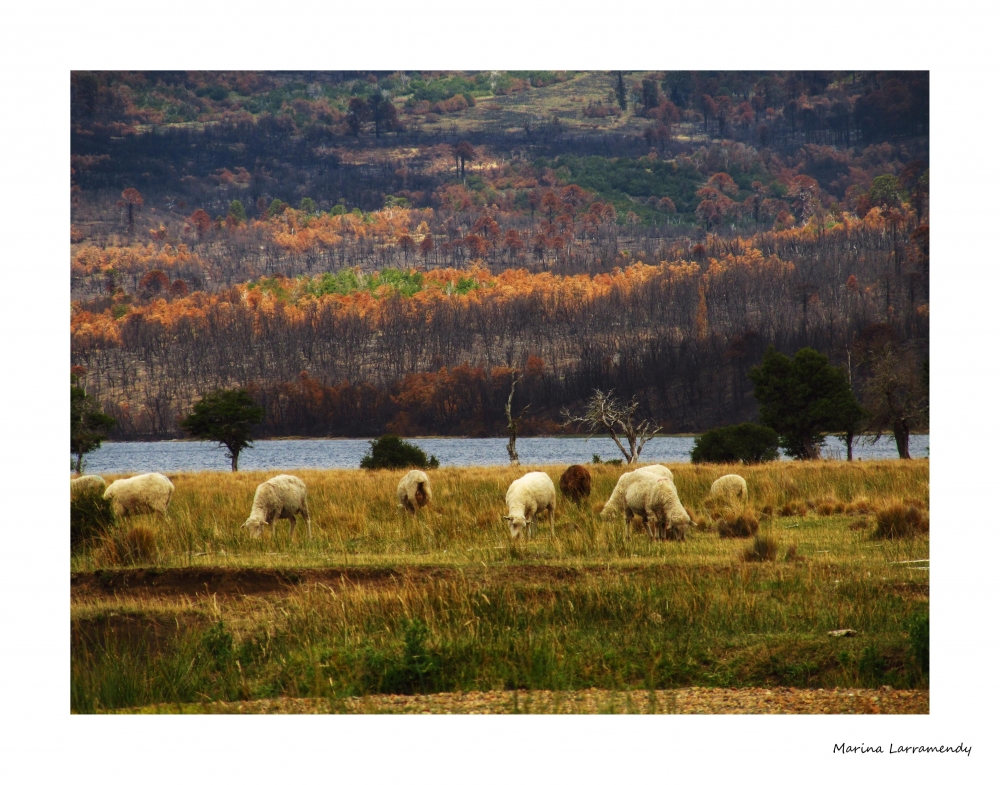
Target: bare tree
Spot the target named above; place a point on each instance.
(513, 422)
(607, 413)
(895, 396)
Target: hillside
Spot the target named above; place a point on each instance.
(381, 250)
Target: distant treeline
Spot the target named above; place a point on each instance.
(432, 353)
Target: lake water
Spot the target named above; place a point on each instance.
(179, 456)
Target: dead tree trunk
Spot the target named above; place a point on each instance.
(513, 422)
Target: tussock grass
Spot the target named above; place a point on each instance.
(763, 548)
(738, 523)
(594, 606)
(900, 519)
(128, 545)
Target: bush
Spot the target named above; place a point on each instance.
(742, 523)
(900, 520)
(391, 452)
(90, 517)
(748, 443)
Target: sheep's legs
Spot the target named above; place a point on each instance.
(645, 520)
(305, 513)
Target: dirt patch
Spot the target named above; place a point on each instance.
(193, 581)
(225, 581)
(694, 700)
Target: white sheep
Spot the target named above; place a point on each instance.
(616, 502)
(527, 496)
(283, 496)
(89, 483)
(143, 493)
(730, 486)
(414, 491)
(655, 498)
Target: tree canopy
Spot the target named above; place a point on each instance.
(391, 452)
(225, 416)
(89, 426)
(803, 398)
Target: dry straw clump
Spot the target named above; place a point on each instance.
(899, 519)
(738, 523)
(791, 508)
(763, 548)
(126, 547)
(860, 506)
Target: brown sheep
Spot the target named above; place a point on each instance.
(575, 483)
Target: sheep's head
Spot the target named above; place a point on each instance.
(517, 524)
(677, 522)
(254, 526)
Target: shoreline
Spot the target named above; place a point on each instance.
(455, 438)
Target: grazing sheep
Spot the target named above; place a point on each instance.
(89, 483)
(283, 496)
(143, 493)
(655, 498)
(414, 491)
(527, 496)
(616, 502)
(575, 483)
(731, 486)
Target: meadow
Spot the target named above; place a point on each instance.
(183, 612)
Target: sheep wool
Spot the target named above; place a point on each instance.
(616, 502)
(731, 485)
(281, 497)
(575, 483)
(526, 497)
(414, 491)
(89, 483)
(655, 499)
(144, 493)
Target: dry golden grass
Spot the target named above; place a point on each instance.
(900, 519)
(356, 519)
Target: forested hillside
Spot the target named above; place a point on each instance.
(372, 251)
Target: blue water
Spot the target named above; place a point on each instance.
(177, 456)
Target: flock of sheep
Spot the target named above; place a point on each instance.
(647, 493)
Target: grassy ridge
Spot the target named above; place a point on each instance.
(591, 607)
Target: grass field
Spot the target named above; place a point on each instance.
(379, 602)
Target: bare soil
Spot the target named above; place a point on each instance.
(245, 581)
(694, 700)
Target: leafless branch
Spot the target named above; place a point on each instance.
(607, 414)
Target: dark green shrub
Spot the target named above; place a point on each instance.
(748, 442)
(919, 630)
(391, 452)
(217, 643)
(90, 518)
(418, 669)
(872, 666)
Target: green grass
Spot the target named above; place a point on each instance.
(466, 610)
